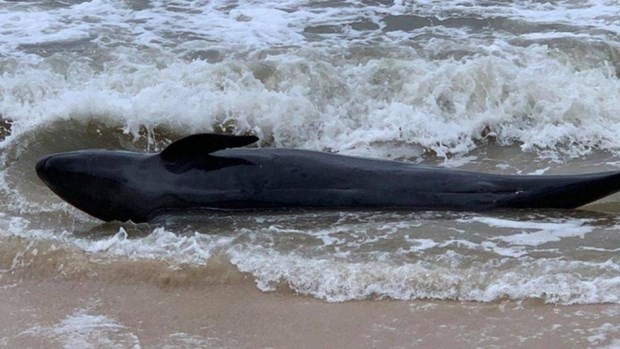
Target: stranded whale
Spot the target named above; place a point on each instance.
(212, 171)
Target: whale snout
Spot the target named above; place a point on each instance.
(42, 169)
(60, 170)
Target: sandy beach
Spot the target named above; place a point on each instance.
(129, 312)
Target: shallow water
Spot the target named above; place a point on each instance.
(525, 87)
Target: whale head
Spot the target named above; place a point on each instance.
(122, 185)
(94, 181)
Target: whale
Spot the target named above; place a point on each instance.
(219, 172)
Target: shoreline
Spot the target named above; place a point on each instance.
(56, 313)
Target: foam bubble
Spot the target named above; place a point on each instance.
(544, 232)
(85, 330)
(160, 244)
(336, 280)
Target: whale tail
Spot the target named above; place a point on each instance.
(563, 191)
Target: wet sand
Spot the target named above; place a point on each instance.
(94, 312)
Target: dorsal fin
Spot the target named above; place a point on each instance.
(202, 144)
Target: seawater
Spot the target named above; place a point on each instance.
(522, 87)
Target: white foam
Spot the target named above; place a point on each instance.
(302, 97)
(160, 244)
(418, 245)
(600, 336)
(578, 115)
(349, 265)
(614, 344)
(598, 14)
(544, 231)
(181, 340)
(84, 330)
(540, 171)
(217, 24)
(336, 281)
(30, 25)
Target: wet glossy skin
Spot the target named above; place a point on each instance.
(118, 185)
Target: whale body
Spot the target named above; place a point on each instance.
(214, 171)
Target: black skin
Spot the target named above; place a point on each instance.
(202, 172)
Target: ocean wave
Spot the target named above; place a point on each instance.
(446, 107)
